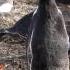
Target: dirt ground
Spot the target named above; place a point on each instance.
(13, 51)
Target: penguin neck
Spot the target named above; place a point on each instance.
(47, 3)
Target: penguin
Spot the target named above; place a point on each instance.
(49, 41)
